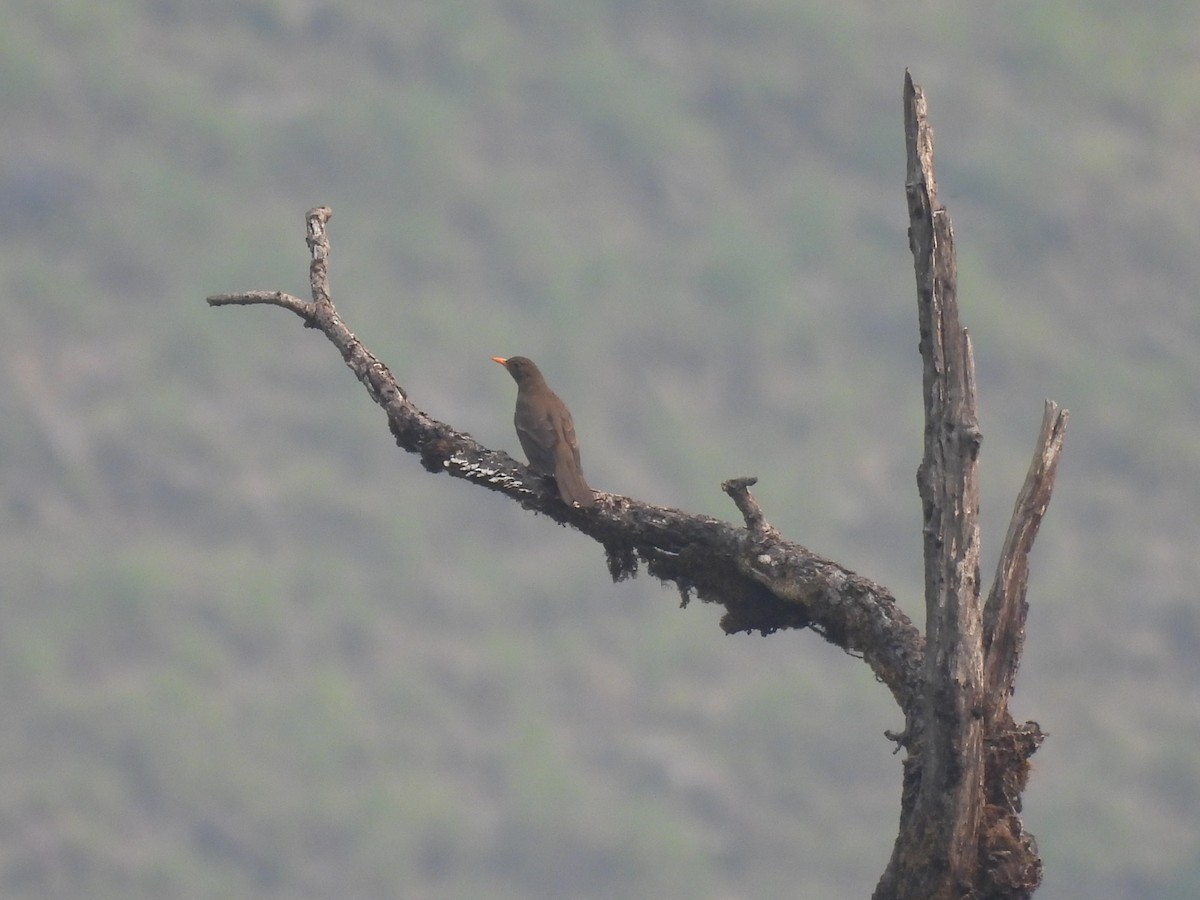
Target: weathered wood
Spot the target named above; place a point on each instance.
(936, 853)
(1009, 857)
(1006, 607)
(967, 761)
(960, 832)
(764, 582)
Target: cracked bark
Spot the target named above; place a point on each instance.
(960, 829)
(967, 761)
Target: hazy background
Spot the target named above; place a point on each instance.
(250, 649)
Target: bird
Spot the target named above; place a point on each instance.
(546, 432)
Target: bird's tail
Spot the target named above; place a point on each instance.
(571, 485)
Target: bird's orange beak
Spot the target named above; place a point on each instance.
(499, 359)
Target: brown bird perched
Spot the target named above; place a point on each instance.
(546, 432)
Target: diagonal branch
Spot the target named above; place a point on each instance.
(764, 582)
(1006, 607)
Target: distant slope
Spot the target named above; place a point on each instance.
(252, 650)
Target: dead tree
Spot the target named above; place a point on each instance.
(966, 759)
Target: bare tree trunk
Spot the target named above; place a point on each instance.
(960, 835)
(967, 761)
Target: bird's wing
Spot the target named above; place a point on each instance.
(567, 436)
(538, 438)
(568, 471)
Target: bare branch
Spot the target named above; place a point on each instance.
(764, 583)
(738, 490)
(967, 763)
(302, 308)
(1006, 607)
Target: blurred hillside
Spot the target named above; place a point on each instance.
(250, 649)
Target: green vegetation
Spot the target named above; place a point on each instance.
(249, 649)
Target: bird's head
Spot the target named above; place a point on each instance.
(521, 368)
